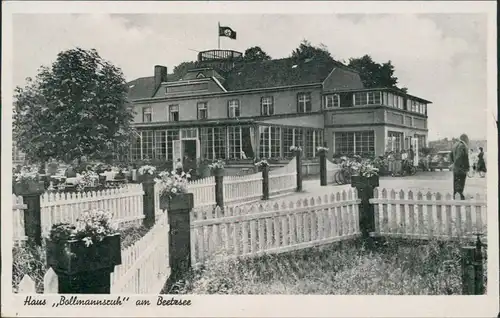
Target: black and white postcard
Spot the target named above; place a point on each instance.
(249, 159)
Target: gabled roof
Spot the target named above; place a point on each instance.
(257, 75)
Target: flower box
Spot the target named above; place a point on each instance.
(218, 172)
(361, 181)
(182, 201)
(73, 256)
(29, 187)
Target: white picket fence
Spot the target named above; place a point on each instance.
(253, 230)
(424, 216)
(203, 192)
(331, 170)
(144, 269)
(283, 180)
(18, 208)
(125, 203)
(145, 265)
(238, 189)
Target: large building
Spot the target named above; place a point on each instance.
(232, 109)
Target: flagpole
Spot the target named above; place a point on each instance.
(218, 35)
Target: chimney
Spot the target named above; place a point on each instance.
(160, 75)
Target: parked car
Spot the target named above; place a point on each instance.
(440, 161)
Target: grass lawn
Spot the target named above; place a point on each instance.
(391, 269)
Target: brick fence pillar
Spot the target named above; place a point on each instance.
(219, 187)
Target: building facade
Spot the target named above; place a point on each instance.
(231, 109)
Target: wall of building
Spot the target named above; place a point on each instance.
(285, 102)
(313, 121)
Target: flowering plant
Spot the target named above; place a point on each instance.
(364, 169)
(295, 148)
(219, 164)
(87, 179)
(27, 174)
(322, 149)
(262, 163)
(172, 184)
(147, 170)
(92, 226)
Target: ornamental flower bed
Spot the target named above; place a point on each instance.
(174, 191)
(91, 244)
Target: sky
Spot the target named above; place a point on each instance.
(439, 57)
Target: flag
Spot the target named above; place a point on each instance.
(227, 31)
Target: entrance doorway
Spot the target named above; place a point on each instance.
(189, 147)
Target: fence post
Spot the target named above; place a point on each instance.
(219, 187)
(298, 159)
(265, 182)
(365, 187)
(468, 272)
(32, 214)
(479, 266)
(148, 202)
(322, 168)
(179, 253)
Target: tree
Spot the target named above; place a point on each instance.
(307, 51)
(181, 69)
(77, 107)
(374, 75)
(256, 53)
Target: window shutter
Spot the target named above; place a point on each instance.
(271, 106)
(237, 111)
(228, 111)
(298, 105)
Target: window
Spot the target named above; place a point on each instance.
(425, 110)
(395, 141)
(173, 111)
(421, 141)
(172, 134)
(147, 145)
(287, 142)
(135, 147)
(275, 140)
(332, 101)
(160, 151)
(202, 110)
(359, 142)
(147, 115)
(304, 103)
(234, 135)
(264, 142)
(309, 145)
(367, 98)
(267, 106)
(233, 108)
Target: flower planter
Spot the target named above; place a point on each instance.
(146, 177)
(182, 201)
(218, 172)
(72, 256)
(30, 187)
(361, 181)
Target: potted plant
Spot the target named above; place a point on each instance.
(87, 180)
(147, 173)
(89, 245)
(364, 175)
(173, 191)
(295, 149)
(261, 164)
(217, 168)
(28, 181)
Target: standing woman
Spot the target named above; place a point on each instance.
(481, 165)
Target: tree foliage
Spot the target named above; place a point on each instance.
(77, 107)
(181, 69)
(307, 51)
(373, 74)
(256, 53)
